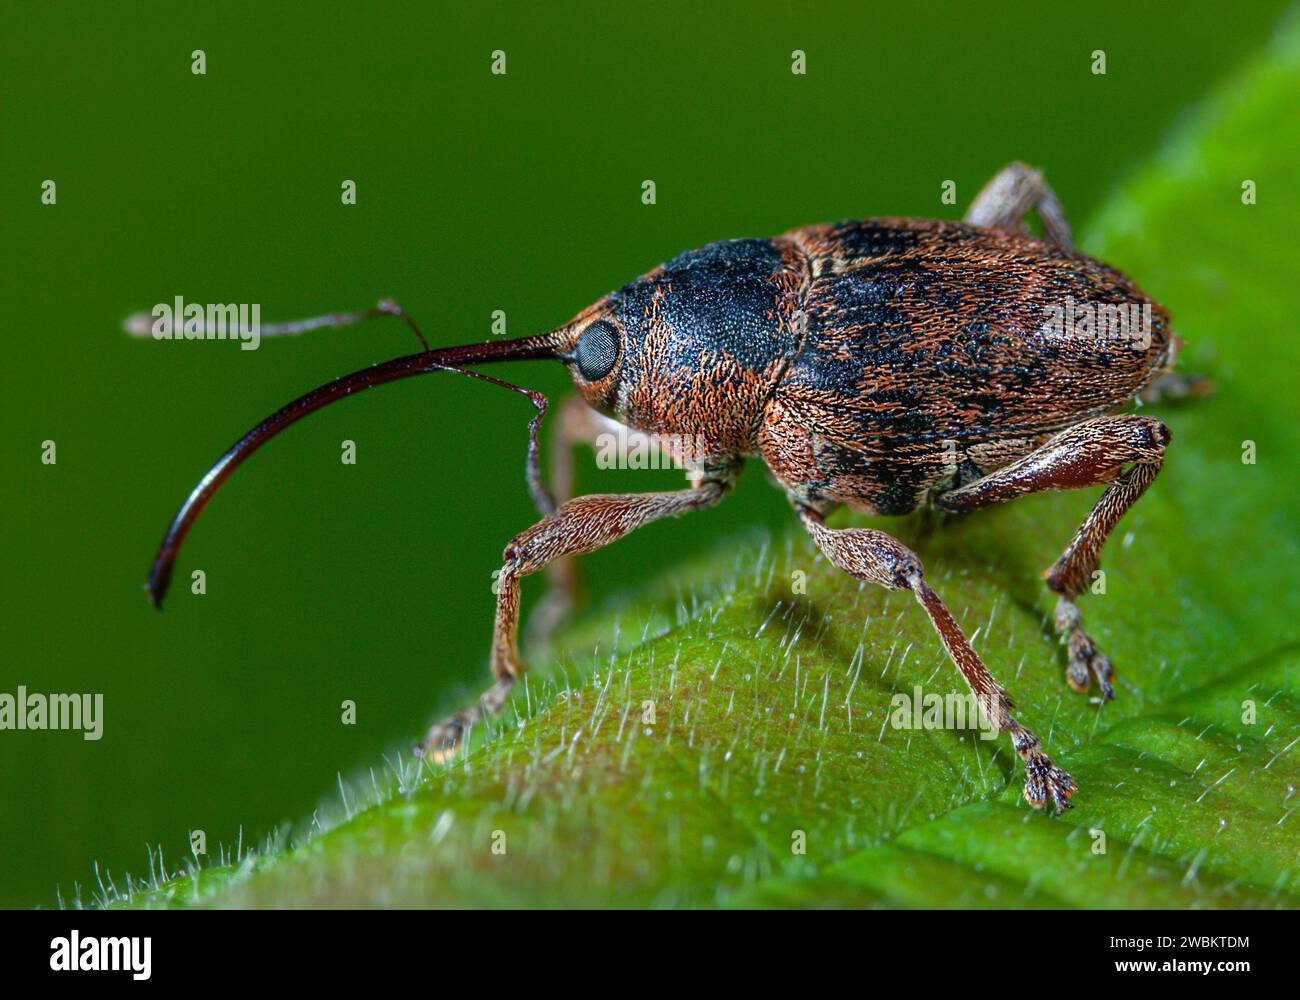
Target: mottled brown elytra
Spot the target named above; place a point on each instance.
(879, 365)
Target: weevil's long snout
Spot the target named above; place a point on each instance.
(453, 359)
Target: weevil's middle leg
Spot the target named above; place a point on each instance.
(882, 559)
(1122, 452)
(578, 526)
(1013, 192)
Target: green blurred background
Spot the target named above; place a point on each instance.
(475, 193)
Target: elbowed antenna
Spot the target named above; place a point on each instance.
(449, 359)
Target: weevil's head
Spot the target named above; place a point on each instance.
(692, 349)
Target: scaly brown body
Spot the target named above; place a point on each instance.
(926, 365)
(879, 364)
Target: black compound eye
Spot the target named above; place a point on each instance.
(597, 349)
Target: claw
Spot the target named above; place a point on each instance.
(1086, 661)
(1077, 675)
(1045, 782)
(1100, 666)
(447, 736)
(442, 742)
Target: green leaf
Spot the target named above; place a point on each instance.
(770, 707)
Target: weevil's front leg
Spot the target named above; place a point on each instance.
(1014, 190)
(577, 424)
(882, 559)
(1122, 452)
(578, 526)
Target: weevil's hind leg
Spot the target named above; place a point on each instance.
(1123, 453)
(1013, 192)
(578, 526)
(882, 559)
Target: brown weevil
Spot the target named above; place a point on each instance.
(880, 365)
